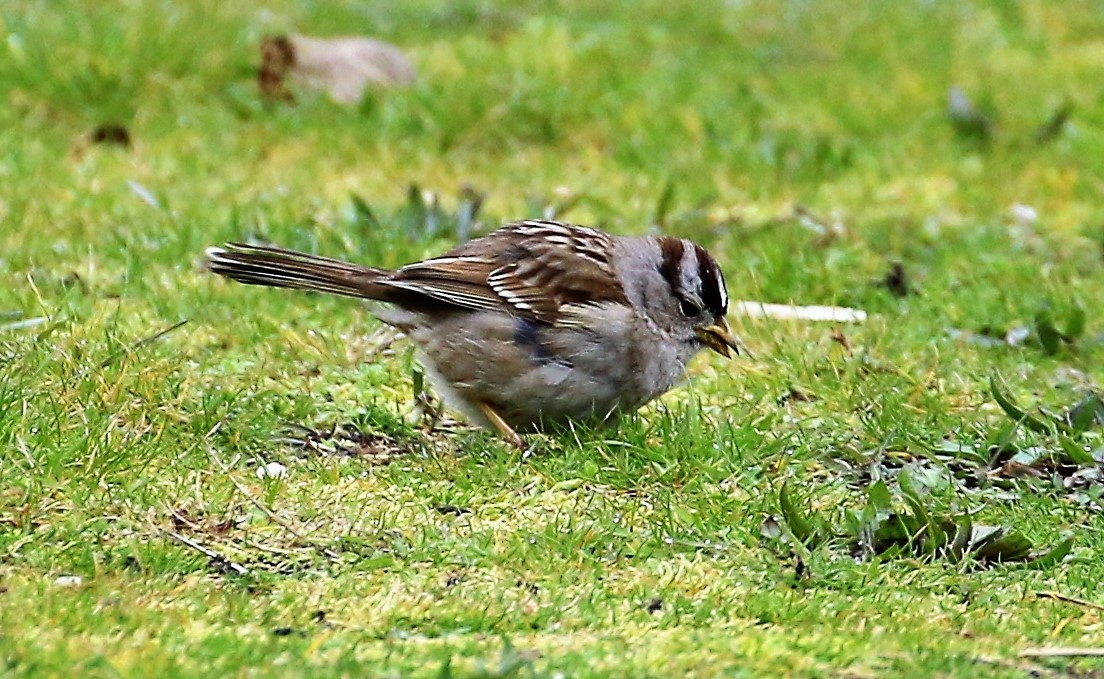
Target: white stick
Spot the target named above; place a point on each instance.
(790, 312)
(1062, 652)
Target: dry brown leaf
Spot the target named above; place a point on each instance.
(342, 67)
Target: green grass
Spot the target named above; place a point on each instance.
(637, 551)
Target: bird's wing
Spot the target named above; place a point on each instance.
(536, 269)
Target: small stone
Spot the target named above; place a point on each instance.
(272, 470)
(1024, 215)
(1017, 336)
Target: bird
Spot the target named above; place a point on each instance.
(535, 325)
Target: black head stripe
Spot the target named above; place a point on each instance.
(713, 293)
(672, 250)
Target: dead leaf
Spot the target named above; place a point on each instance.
(796, 395)
(111, 134)
(896, 281)
(277, 58)
(968, 121)
(1054, 125)
(342, 67)
(837, 336)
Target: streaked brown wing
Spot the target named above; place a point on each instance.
(537, 269)
(461, 281)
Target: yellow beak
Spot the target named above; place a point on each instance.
(718, 337)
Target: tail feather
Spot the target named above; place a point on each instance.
(277, 267)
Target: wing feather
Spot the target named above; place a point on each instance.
(543, 270)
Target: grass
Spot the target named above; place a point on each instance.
(640, 551)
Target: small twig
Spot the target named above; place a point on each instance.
(213, 430)
(269, 549)
(267, 511)
(1058, 596)
(827, 231)
(141, 343)
(1031, 669)
(223, 563)
(144, 194)
(1062, 652)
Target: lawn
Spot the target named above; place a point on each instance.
(199, 478)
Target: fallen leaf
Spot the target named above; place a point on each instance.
(967, 120)
(896, 281)
(345, 68)
(111, 134)
(1054, 125)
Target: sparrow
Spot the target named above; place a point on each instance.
(537, 324)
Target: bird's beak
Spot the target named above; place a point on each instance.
(718, 337)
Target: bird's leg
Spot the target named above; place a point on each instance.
(500, 424)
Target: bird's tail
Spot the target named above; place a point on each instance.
(277, 267)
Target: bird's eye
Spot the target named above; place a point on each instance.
(689, 308)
